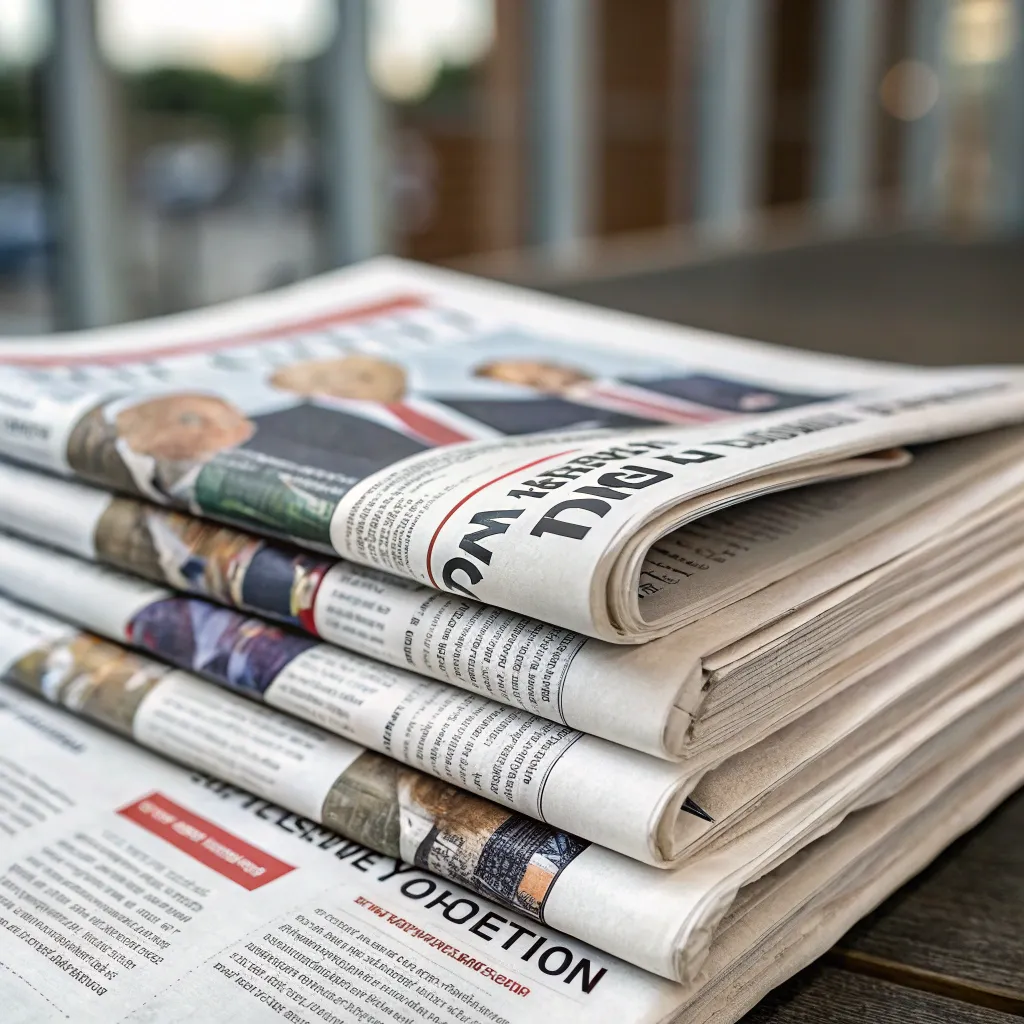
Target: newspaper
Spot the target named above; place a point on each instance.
(539, 768)
(660, 920)
(336, 689)
(375, 705)
(132, 887)
(144, 915)
(386, 414)
(650, 698)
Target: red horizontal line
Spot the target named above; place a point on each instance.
(282, 330)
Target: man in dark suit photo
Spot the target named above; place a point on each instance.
(681, 399)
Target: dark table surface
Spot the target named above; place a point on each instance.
(949, 946)
(908, 298)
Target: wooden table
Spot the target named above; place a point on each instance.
(948, 947)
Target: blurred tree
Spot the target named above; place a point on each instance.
(234, 105)
(15, 105)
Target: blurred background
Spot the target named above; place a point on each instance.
(772, 167)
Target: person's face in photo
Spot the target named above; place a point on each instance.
(183, 427)
(358, 377)
(758, 401)
(548, 378)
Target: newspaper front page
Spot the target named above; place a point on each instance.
(644, 697)
(132, 888)
(385, 414)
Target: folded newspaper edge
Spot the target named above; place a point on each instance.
(790, 928)
(242, 413)
(752, 785)
(905, 617)
(190, 847)
(797, 546)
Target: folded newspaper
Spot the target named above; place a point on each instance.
(697, 693)
(524, 762)
(387, 413)
(654, 812)
(583, 890)
(138, 891)
(526, 614)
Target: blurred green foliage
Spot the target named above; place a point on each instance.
(16, 104)
(234, 106)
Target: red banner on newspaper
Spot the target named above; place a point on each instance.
(228, 855)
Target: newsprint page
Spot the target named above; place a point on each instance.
(134, 890)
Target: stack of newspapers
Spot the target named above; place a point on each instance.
(508, 659)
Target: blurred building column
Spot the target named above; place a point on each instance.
(501, 196)
(560, 46)
(732, 54)
(355, 179)
(924, 165)
(851, 44)
(83, 168)
(1007, 207)
(681, 113)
